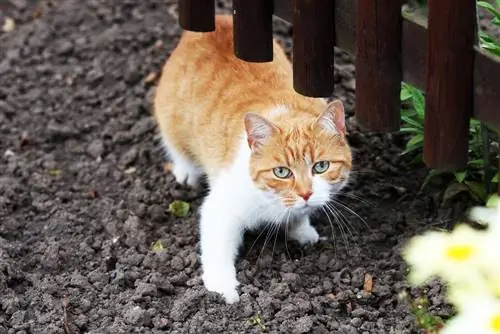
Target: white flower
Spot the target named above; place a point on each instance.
(489, 215)
(452, 256)
(480, 316)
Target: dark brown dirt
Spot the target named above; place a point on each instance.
(83, 195)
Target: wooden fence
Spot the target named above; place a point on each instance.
(438, 56)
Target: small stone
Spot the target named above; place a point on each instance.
(129, 157)
(292, 279)
(9, 153)
(61, 131)
(303, 325)
(64, 48)
(160, 323)
(137, 316)
(96, 148)
(146, 289)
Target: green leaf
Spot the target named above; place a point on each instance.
(453, 190)
(460, 176)
(157, 246)
(477, 189)
(416, 141)
(492, 201)
(495, 178)
(179, 208)
(54, 172)
(489, 7)
(405, 93)
(418, 102)
(476, 164)
(432, 174)
(412, 122)
(410, 130)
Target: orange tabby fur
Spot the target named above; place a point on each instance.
(204, 93)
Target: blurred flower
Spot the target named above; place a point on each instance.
(452, 256)
(479, 316)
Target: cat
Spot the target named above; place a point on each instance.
(269, 154)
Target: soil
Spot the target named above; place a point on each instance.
(84, 194)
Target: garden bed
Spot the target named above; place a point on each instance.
(84, 194)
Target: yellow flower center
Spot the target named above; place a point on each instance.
(459, 252)
(495, 323)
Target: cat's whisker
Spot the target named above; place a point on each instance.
(331, 225)
(346, 223)
(287, 225)
(343, 205)
(262, 214)
(353, 196)
(340, 223)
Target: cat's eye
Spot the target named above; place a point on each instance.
(321, 167)
(282, 172)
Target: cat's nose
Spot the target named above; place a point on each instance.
(306, 195)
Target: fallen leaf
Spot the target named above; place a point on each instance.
(330, 296)
(179, 208)
(130, 170)
(24, 140)
(150, 78)
(158, 44)
(8, 25)
(92, 193)
(368, 284)
(168, 167)
(157, 246)
(54, 172)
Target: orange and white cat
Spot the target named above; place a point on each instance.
(270, 154)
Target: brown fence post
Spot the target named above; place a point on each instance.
(197, 15)
(313, 47)
(253, 30)
(449, 84)
(378, 64)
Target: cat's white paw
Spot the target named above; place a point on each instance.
(305, 234)
(185, 175)
(223, 284)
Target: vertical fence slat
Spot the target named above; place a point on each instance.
(313, 47)
(378, 64)
(253, 30)
(449, 84)
(197, 15)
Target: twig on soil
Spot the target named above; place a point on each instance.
(65, 303)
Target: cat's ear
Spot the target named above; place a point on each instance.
(333, 118)
(258, 129)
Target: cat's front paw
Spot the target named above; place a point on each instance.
(225, 285)
(305, 234)
(185, 175)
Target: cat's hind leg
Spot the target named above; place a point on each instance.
(184, 170)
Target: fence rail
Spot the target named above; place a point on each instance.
(437, 56)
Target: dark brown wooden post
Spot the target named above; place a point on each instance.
(378, 64)
(313, 47)
(197, 15)
(253, 30)
(449, 84)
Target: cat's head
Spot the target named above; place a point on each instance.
(299, 162)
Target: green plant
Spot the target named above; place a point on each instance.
(419, 307)
(475, 177)
(486, 41)
(256, 320)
